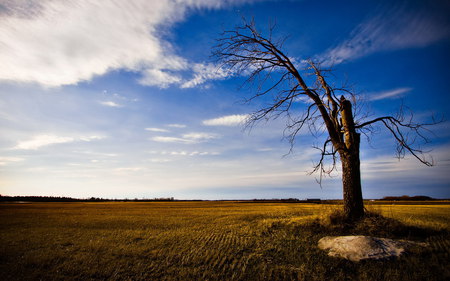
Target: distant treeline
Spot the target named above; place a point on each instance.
(288, 200)
(70, 199)
(168, 199)
(408, 198)
(164, 199)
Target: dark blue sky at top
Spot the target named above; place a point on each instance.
(312, 27)
(110, 135)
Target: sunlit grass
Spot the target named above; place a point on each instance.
(430, 216)
(200, 241)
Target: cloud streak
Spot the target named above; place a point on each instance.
(56, 43)
(7, 160)
(159, 130)
(183, 153)
(189, 138)
(46, 140)
(205, 72)
(229, 120)
(110, 104)
(390, 94)
(389, 30)
(178, 126)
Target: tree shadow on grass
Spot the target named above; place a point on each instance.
(372, 224)
(290, 247)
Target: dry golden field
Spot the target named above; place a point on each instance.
(208, 241)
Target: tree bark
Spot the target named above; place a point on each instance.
(351, 184)
(351, 173)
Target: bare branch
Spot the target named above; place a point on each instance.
(245, 51)
(406, 133)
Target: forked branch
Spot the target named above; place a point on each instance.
(408, 135)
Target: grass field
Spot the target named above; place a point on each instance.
(208, 241)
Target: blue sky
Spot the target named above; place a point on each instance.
(121, 99)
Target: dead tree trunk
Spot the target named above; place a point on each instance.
(351, 184)
(351, 173)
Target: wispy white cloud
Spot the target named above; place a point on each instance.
(130, 169)
(389, 30)
(159, 160)
(42, 140)
(170, 139)
(390, 94)
(87, 40)
(90, 138)
(200, 74)
(160, 78)
(57, 43)
(159, 130)
(264, 149)
(45, 140)
(205, 72)
(202, 153)
(110, 104)
(184, 153)
(7, 160)
(117, 97)
(177, 126)
(302, 99)
(200, 136)
(189, 138)
(229, 120)
(95, 153)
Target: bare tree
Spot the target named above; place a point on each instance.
(247, 52)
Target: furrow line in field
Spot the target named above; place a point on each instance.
(209, 254)
(232, 271)
(217, 260)
(218, 240)
(210, 239)
(235, 239)
(195, 253)
(212, 258)
(227, 241)
(200, 247)
(232, 268)
(224, 263)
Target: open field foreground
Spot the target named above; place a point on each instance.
(208, 241)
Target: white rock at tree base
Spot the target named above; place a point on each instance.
(356, 248)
